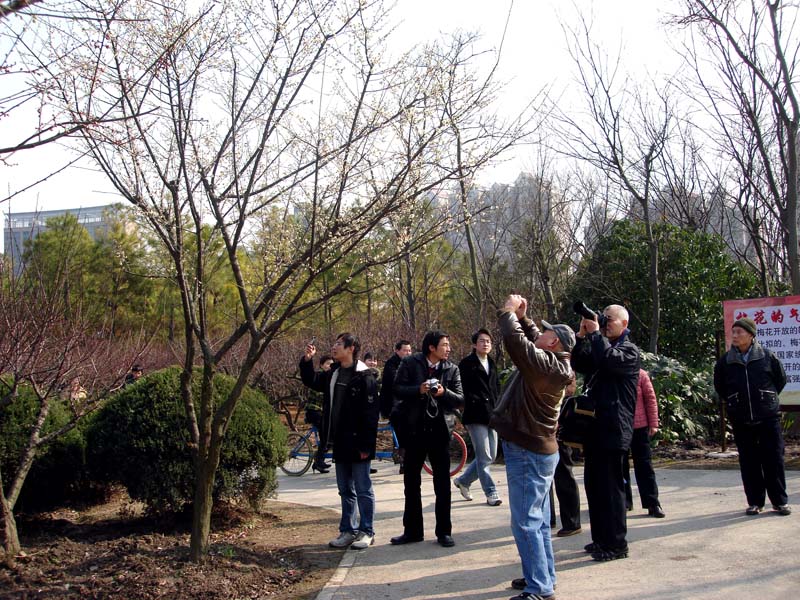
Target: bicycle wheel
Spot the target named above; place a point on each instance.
(458, 455)
(299, 455)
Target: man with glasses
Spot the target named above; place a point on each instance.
(481, 390)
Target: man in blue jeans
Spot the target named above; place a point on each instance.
(350, 412)
(526, 418)
(481, 389)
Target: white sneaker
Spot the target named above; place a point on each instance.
(343, 541)
(493, 499)
(464, 489)
(363, 540)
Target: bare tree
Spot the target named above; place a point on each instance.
(752, 97)
(226, 127)
(623, 135)
(44, 352)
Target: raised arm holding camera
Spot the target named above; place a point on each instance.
(609, 362)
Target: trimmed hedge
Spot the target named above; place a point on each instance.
(57, 474)
(140, 439)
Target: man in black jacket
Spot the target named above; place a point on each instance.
(748, 378)
(351, 414)
(427, 391)
(609, 362)
(481, 390)
(401, 349)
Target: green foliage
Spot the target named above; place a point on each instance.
(58, 470)
(140, 439)
(687, 406)
(696, 275)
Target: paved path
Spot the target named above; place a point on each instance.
(706, 548)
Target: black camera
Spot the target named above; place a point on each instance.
(587, 313)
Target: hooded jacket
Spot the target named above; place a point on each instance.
(750, 390)
(527, 413)
(611, 372)
(356, 424)
(412, 410)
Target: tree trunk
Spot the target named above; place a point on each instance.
(203, 503)
(410, 301)
(11, 543)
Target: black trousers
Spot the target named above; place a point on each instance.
(436, 446)
(569, 499)
(643, 468)
(605, 493)
(761, 461)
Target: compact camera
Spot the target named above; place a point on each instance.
(587, 313)
(433, 385)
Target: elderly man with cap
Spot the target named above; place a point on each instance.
(526, 418)
(748, 378)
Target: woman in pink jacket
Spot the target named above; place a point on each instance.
(645, 425)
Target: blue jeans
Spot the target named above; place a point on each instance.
(529, 478)
(484, 442)
(355, 489)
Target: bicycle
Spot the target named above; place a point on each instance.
(301, 451)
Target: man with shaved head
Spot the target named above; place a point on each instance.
(609, 362)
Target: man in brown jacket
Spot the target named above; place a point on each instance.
(526, 418)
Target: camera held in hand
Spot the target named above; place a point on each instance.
(433, 385)
(587, 313)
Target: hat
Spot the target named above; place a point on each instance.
(747, 324)
(564, 334)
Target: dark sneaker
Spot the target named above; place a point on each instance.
(753, 509)
(783, 509)
(529, 596)
(568, 532)
(343, 541)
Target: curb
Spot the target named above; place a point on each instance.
(337, 579)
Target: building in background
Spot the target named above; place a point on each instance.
(23, 226)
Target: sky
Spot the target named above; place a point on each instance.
(534, 55)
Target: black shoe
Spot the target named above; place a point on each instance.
(402, 470)
(592, 547)
(518, 583)
(320, 468)
(568, 532)
(372, 471)
(405, 539)
(529, 596)
(656, 511)
(606, 555)
(446, 540)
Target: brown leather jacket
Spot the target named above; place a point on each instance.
(527, 413)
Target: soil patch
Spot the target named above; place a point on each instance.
(694, 454)
(111, 551)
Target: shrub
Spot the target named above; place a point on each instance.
(58, 469)
(140, 439)
(687, 405)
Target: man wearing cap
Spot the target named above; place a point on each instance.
(609, 362)
(526, 419)
(748, 378)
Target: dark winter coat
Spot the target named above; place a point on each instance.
(611, 371)
(481, 389)
(387, 385)
(413, 411)
(750, 391)
(527, 413)
(357, 424)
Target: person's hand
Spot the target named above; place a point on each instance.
(439, 391)
(363, 455)
(589, 326)
(310, 351)
(652, 431)
(516, 304)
